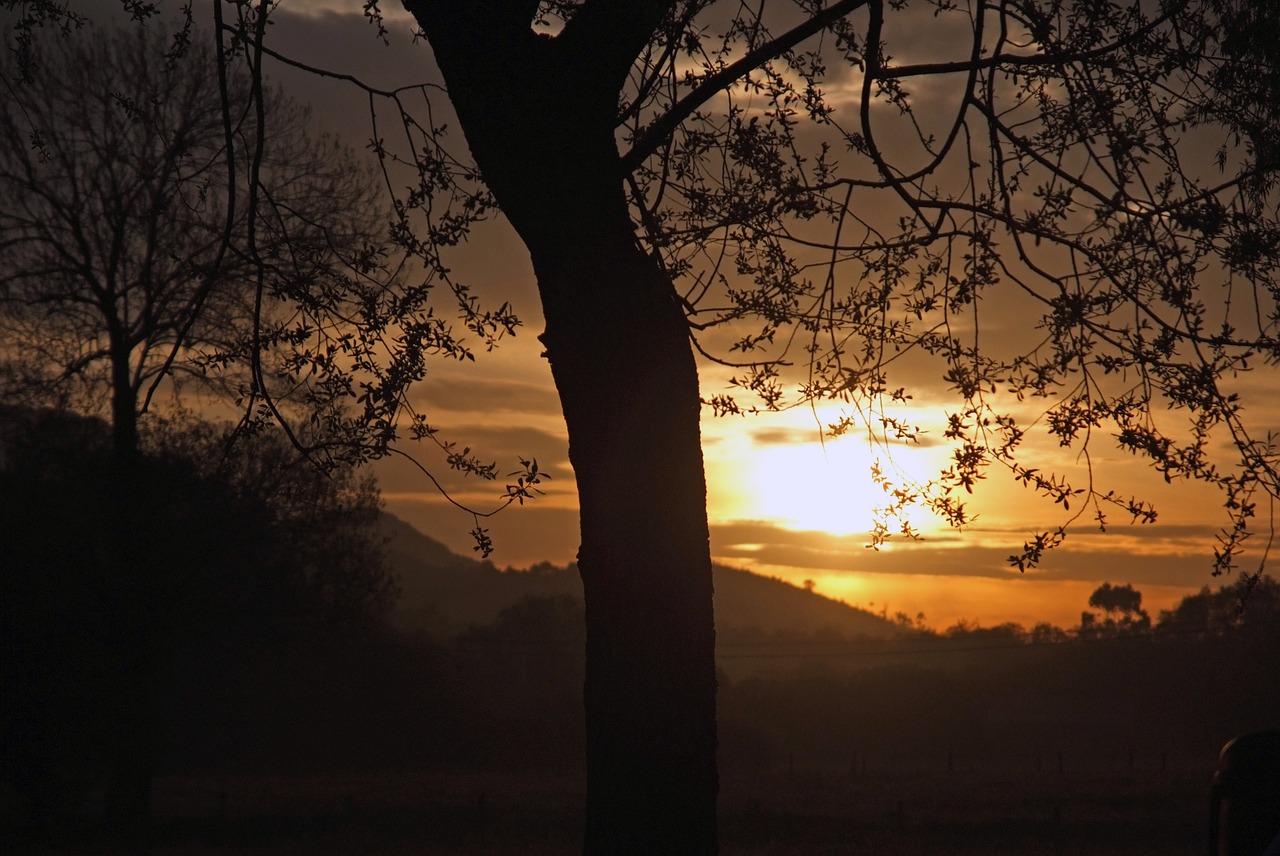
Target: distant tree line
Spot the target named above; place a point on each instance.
(1102, 695)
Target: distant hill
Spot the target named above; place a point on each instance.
(444, 594)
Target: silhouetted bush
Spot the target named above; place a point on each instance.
(137, 597)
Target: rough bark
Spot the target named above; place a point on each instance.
(538, 114)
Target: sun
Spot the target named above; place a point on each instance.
(780, 470)
(823, 487)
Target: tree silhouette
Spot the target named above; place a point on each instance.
(129, 257)
(127, 254)
(1120, 598)
(1122, 607)
(1063, 208)
(678, 169)
(1247, 600)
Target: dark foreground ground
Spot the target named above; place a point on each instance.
(1122, 812)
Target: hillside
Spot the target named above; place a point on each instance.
(444, 593)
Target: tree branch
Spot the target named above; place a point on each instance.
(1021, 60)
(606, 36)
(649, 140)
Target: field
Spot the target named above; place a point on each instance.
(1124, 812)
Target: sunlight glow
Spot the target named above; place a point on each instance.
(778, 469)
(814, 486)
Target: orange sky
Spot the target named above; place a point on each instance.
(782, 504)
(778, 501)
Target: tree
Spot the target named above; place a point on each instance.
(127, 252)
(1122, 606)
(1247, 600)
(677, 166)
(694, 174)
(129, 257)
(1120, 598)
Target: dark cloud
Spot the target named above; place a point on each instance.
(515, 436)
(1161, 555)
(343, 42)
(1163, 533)
(782, 436)
(501, 444)
(493, 395)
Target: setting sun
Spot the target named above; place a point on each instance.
(780, 470)
(812, 486)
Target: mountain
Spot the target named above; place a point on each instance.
(443, 594)
(749, 602)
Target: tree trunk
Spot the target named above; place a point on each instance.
(132, 708)
(539, 117)
(124, 406)
(621, 359)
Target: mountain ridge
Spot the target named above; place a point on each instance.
(444, 594)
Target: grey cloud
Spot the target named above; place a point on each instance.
(793, 436)
(491, 395)
(783, 436)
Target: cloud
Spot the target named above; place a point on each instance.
(484, 394)
(499, 435)
(783, 436)
(392, 12)
(499, 443)
(1173, 555)
(522, 535)
(815, 433)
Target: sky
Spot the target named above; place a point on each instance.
(783, 498)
